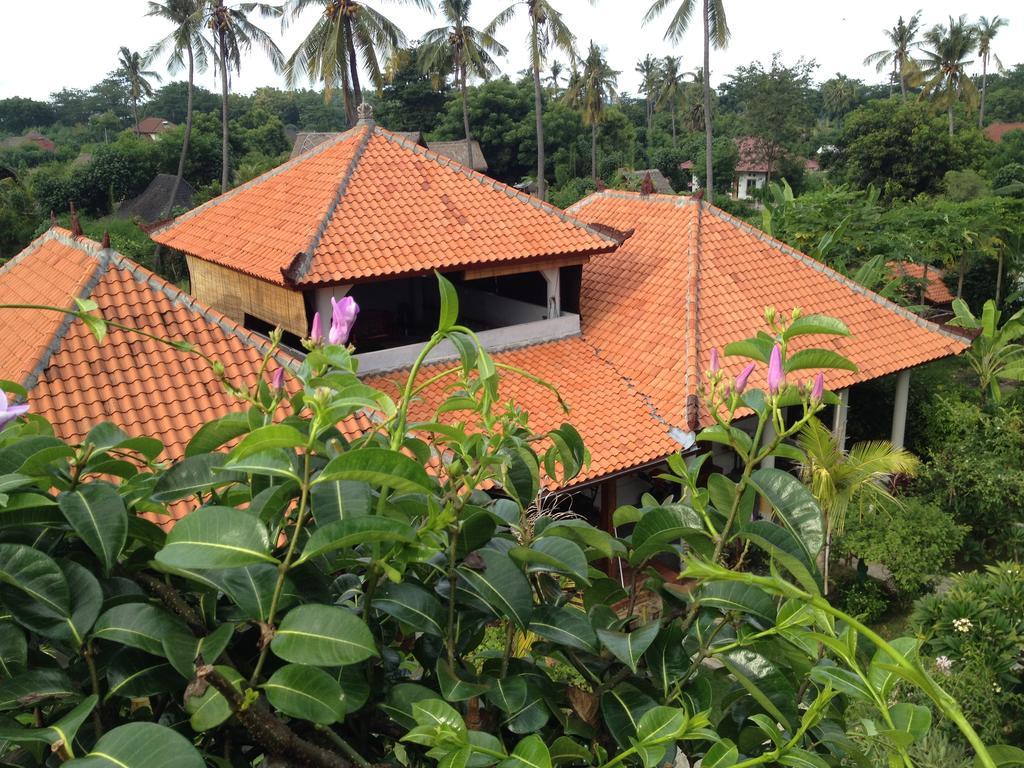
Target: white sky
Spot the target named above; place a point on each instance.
(45, 46)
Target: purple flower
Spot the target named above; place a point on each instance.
(776, 376)
(715, 364)
(343, 317)
(277, 380)
(9, 413)
(316, 333)
(819, 388)
(741, 380)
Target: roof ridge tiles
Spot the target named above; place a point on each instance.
(285, 166)
(833, 274)
(691, 406)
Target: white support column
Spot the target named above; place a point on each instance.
(767, 435)
(899, 409)
(839, 418)
(554, 303)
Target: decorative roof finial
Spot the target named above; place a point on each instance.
(105, 245)
(76, 225)
(53, 218)
(647, 187)
(364, 113)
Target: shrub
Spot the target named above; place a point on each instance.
(915, 540)
(325, 601)
(867, 599)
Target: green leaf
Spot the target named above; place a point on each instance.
(139, 625)
(1003, 755)
(182, 650)
(216, 537)
(141, 745)
(801, 758)
(58, 734)
(86, 602)
(735, 596)
(565, 625)
(216, 433)
(454, 688)
(412, 605)
(522, 475)
(268, 438)
(37, 576)
(883, 679)
(132, 674)
(211, 709)
(190, 476)
(305, 692)
(276, 462)
(323, 635)
(555, 555)
(566, 750)
(355, 531)
(628, 647)
(584, 534)
(340, 500)
(722, 754)
(661, 725)
(818, 358)
(508, 694)
(99, 517)
(35, 687)
(912, 718)
(841, 679)
(379, 467)
(434, 713)
(797, 507)
(816, 324)
(13, 650)
(531, 752)
(251, 588)
(502, 586)
(400, 700)
(784, 546)
(622, 707)
(449, 303)
(759, 348)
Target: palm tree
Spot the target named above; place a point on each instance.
(555, 76)
(649, 70)
(839, 95)
(234, 34)
(672, 88)
(132, 67)
(987, 29)
(592, 90)
(329, 52)
(461, 49)
(902, 41)
(842, 480)
(548, 32)
(716, 32)
(186, 44)
(945, 65)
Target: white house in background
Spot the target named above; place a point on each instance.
(752, 171)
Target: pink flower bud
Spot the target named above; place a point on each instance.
(715, 364)
(277, 380)
(776, 376)
(818, 389)
(343, 317)
(8, 412)
(741, 380)
(316, 333)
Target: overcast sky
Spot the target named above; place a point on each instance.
(45, 46)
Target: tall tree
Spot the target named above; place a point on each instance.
(555, 71)
(945, 63)
(839, 96)
(649, 69)
(903, 41)
(234, 34)
(591, 92)
(461, 50)
(672, 89)
(328, 54)
(132, 67)
(716, 32)
(987, 29)
(187, 48)
(548, 32)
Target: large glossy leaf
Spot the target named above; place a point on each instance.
(86, 602)
(509, 693)
(530, 752)
(841, 679)
(818, 358)
(816, 324)
(1003, 755)
(182, 649)
(553, 554)
(881, 674)
(132, 674)
(216, 433)
(13, 650)
(99, 517)
(565, 625)
(35, 687)
(355, 688)
(379, 467)
(355, 531)
(141, 745)
(216, 537)
(723, 754)
(912, 718)
(305, 692)
(502, 586)
(629, 647)
(323, 635)
(586, 535)
(138, 625)
(453, 686)
(661, 725)
(522, 475)
(37, 576)
(764, 682)
(267, 438)
(622, 708)
(739, 597)
(190, 476)
(400, 700)
(784, 546)
(251, 588)
(58, 734)
(797, 507)
(412, 605)
(211, 709)
(339, 500)
(449, 303)
(666, 657)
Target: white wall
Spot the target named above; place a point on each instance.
(322, 301)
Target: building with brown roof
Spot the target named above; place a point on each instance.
(152, 127)
(996, 131)
(34, 138)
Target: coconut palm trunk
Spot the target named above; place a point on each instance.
(984, 90)
(903, 83)
(709, 185)
(538, 104)
(465, 112)
(225, 156)
(949, 114)
(353, 67)
(187, 137)
(593, 152)
(999, 278)
(673, 126)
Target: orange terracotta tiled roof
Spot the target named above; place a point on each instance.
(142, 386)
(935, 289)
(369, 204)
(613, 419)
(996, 131)
(674, 290)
